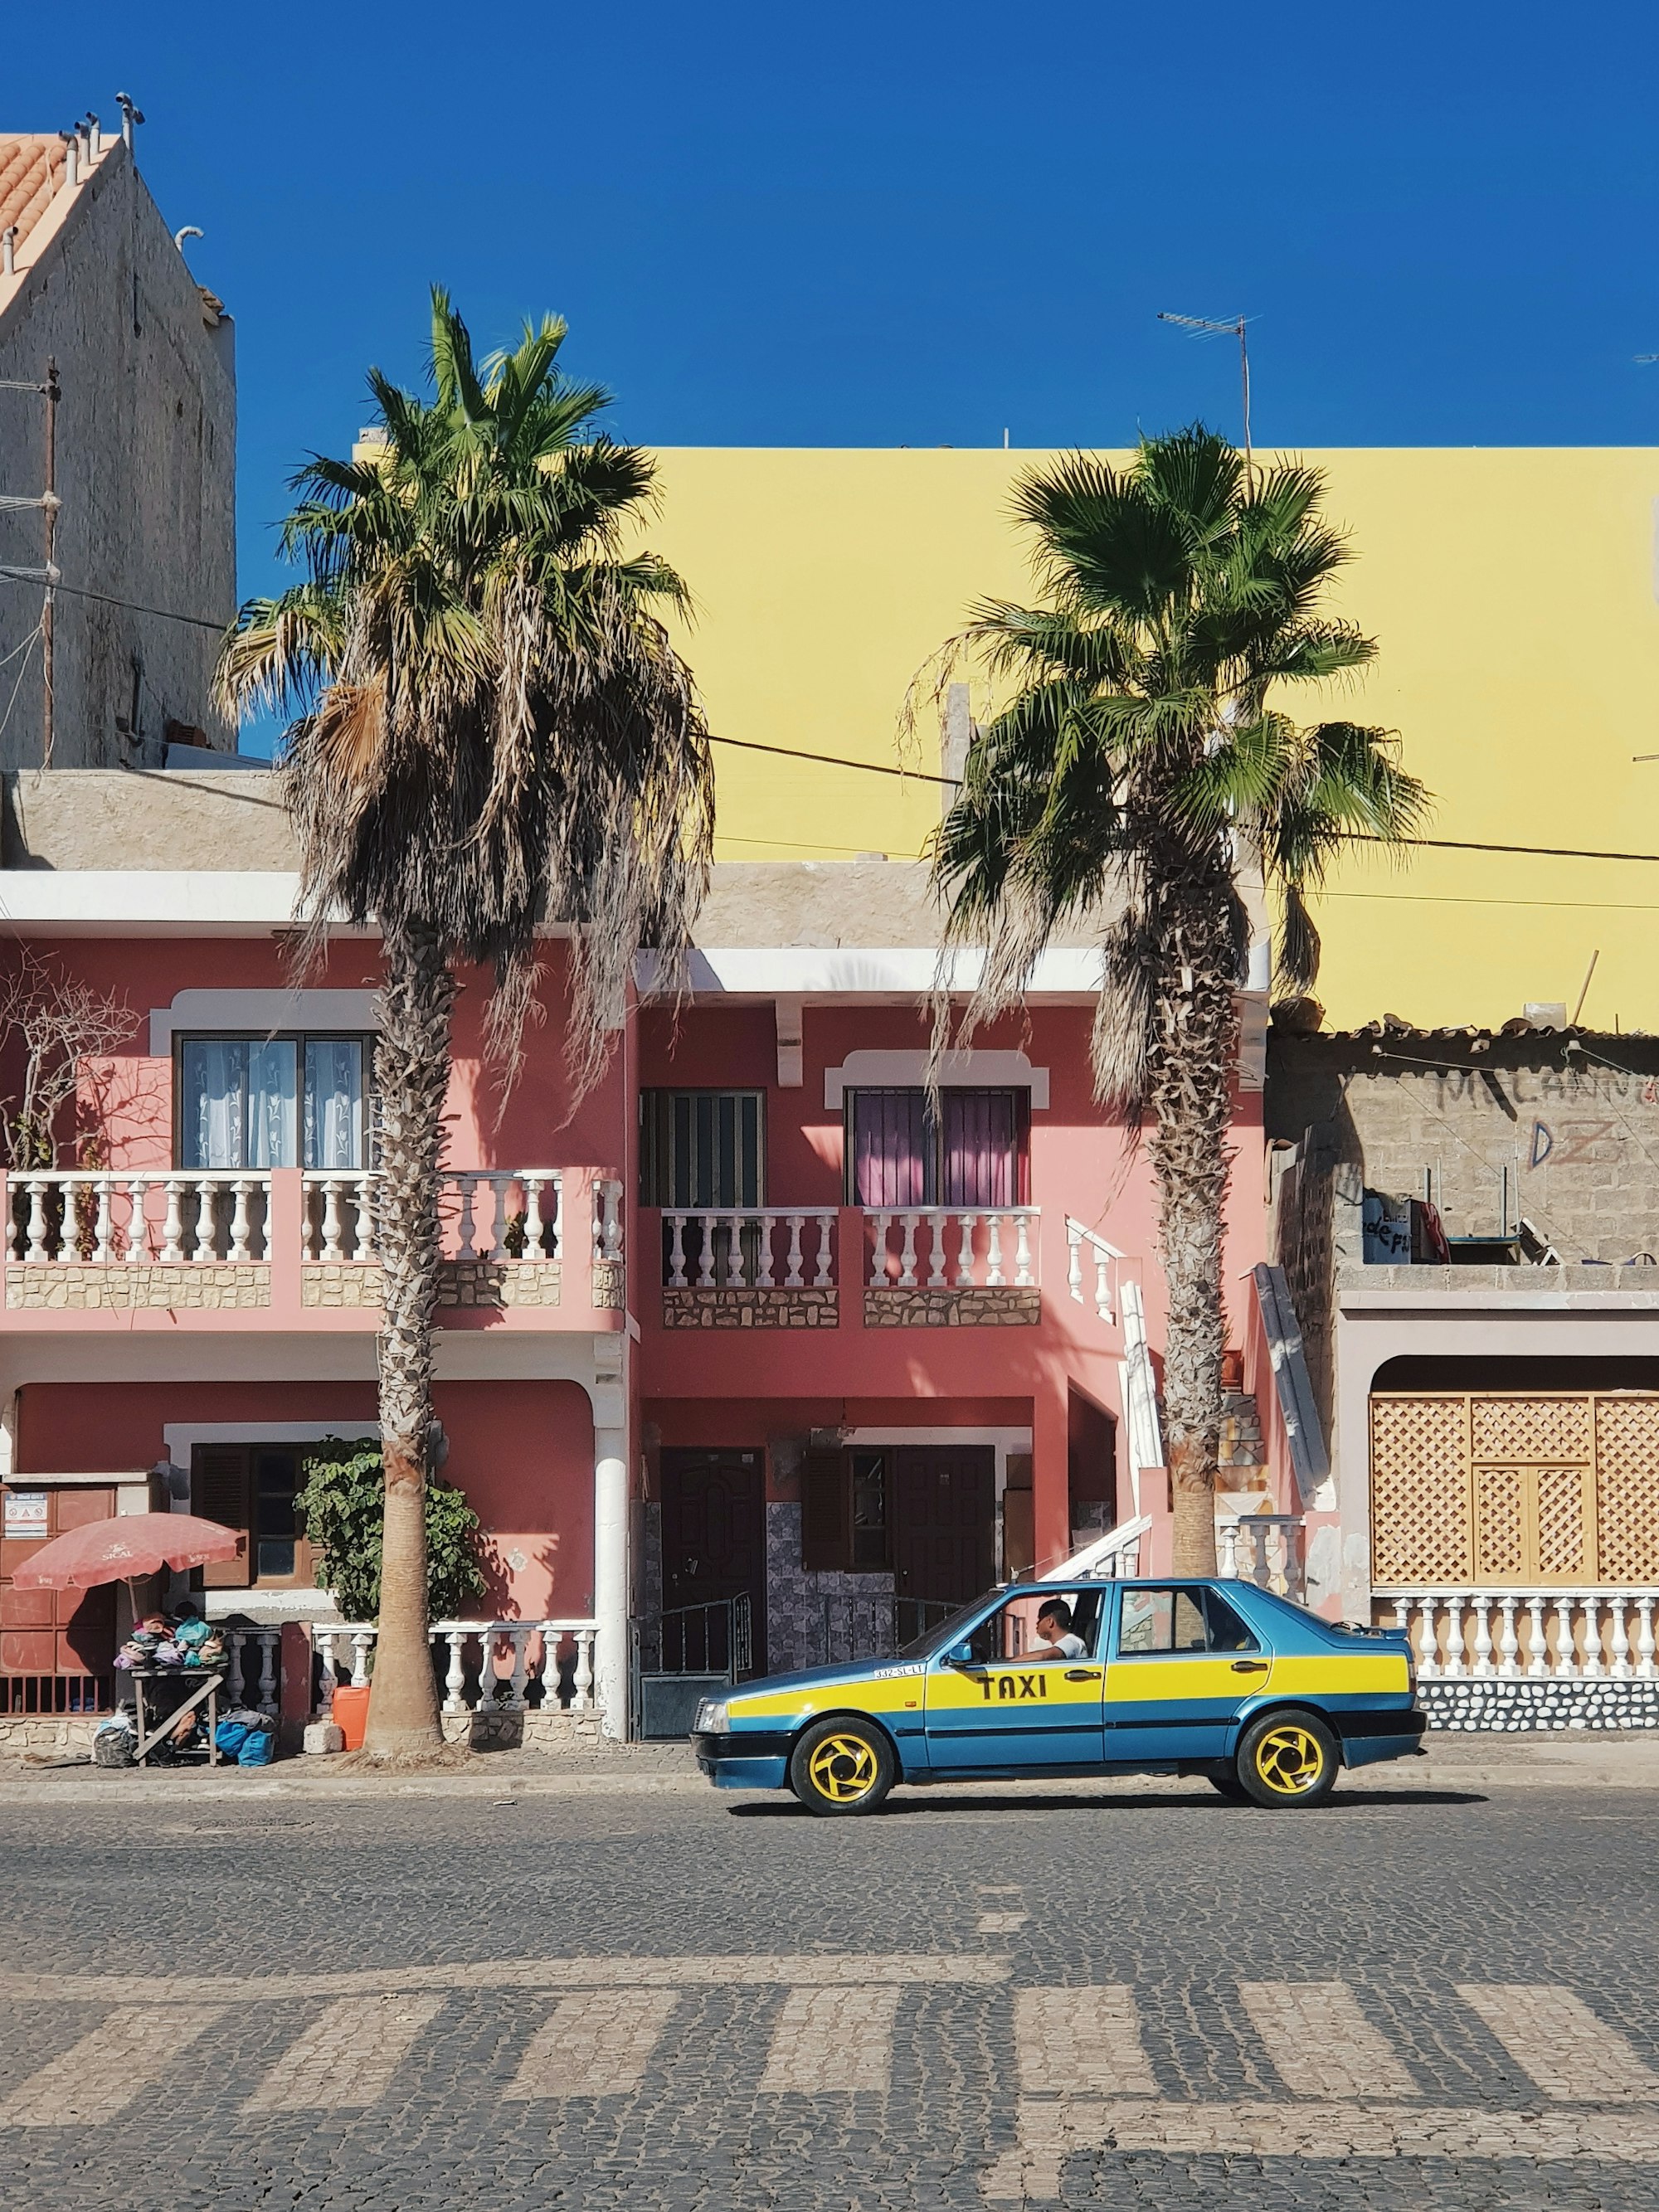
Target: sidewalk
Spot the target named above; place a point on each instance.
(1455, 1763)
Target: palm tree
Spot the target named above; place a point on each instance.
(1136, 778)
(491, 732)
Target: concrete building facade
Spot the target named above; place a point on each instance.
(144, 456)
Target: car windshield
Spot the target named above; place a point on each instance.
(948, 1630)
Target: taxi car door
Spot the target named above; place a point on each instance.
(999, 1710)
(1183, 1661)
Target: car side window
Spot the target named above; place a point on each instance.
(1011, 1631)
(1227, 1630)
(1165, 1622)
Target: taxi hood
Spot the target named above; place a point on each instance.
(812, 1678)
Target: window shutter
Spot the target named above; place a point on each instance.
(220, 1490)
(826, 1513)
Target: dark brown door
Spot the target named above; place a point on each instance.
(714, 1532)
(57, 1631)
(945, 1521)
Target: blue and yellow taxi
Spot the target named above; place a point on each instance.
(1180, 1676)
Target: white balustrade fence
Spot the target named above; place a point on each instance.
(1090, 1265)
(195, 1217)
(86, 1217)
(255, 1673)
(1582, 1635)
(490, 1666)
(1114, 1557)
(484, 1213)
(1266, 1549)
(942, 1248)
(607, 1220)
(761, 1248)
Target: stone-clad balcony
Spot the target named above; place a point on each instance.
(521, 1246)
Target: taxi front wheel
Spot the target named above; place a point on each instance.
(841, 1766)
(1288, 1759)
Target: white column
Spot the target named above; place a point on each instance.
(610, 1575)
(792, 1276)
(677, 1251)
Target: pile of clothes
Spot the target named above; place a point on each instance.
(161, 1645)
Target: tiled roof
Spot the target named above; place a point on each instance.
(30, 167)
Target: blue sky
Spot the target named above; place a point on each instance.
(911, 224)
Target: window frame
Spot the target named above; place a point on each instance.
(655, 1166)
(299, 1039)
(934, 1127)
(1208, 1650)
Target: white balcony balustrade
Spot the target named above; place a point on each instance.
(1266, 1549)
(1114, 1557)
(254, 1673)
(1091, 1269)
(607, 1221)
(484, 1213)
(80, 1217)
(490, 1666)
(1576, 1635)
(942, 1248)
(759, 1247)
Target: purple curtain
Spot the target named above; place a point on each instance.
(891, 1151)
(981, 1150)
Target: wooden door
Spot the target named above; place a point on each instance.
(945, 1521)
(714, 1532)
(57, 1631)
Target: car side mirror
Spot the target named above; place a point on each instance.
(959, 1655)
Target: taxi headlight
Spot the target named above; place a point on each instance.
(711, 1717)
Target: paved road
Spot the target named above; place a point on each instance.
(667, 1999)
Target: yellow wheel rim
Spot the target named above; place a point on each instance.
(842, 1769)
(1290, 1761)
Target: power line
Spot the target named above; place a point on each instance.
(838, 760)
(108, 600)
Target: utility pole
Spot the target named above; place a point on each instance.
(1203, 327)
(49, 509)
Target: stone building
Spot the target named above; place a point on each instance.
(1469, 1226)
(144, 441)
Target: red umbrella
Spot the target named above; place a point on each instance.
(124, 1548)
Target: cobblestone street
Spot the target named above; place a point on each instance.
(652, 1997)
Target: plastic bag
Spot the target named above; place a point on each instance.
(258, 1747)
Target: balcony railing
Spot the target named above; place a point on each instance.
(942, 1248)
(548, 1663)
(1582, 1635)
(759, 1247)
(90, 1218)
(191, 1218)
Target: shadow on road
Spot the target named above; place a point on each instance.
(933, 1801)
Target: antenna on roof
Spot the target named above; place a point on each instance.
(1203, 326)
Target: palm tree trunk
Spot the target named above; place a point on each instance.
(411, 1064)
(1191, 1067)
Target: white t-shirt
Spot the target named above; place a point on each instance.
(1068, 1646)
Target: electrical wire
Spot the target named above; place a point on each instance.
(29, 640)
(915, 774)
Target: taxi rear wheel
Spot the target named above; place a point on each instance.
(1288, 1759)
(841, 1766)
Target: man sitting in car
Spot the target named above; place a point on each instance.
(1055, 1636)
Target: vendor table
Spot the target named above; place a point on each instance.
(204, 1684)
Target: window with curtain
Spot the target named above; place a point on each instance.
(971, 1154)
(269, 1101)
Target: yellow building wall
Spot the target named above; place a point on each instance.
(1512, 594)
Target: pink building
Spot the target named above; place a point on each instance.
(755, 1322)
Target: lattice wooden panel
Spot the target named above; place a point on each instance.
(1563, 1550)
(1627, 1485)
(1419, 1492)
(1500, 1524)
(1530, 1429)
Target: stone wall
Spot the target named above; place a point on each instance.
(1568, 1126)
(55, 1287)
(924, 1308)
(493, 1283)
(146, 451)
(1509, 1708)
(746, 1308)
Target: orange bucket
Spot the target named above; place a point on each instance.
(351, 1712)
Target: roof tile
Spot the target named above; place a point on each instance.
(28, 165)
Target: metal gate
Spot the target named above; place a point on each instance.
(1474, 1488)
(682, 1656)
